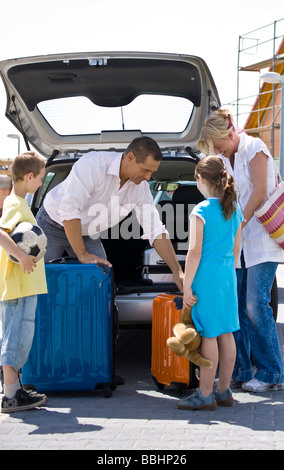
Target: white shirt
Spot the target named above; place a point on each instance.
(92, 193)
(258, 247)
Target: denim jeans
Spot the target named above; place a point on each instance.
(18, 324)
(258, 334)
(58, 242)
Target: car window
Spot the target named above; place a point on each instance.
(161, 193)
(48, 179)
(53, 177)
(148, 113)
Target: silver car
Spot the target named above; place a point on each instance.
(67, 104)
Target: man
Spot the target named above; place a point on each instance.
(101, 189)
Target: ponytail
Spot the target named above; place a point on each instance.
(229, 198)
(213, 170)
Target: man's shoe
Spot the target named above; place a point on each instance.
(22, 401)
(236, 384)
(196, 401)
(233, 384)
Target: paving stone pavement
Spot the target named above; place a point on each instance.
(140, 417)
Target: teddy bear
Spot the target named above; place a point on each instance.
(187, 341)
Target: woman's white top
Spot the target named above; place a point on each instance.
(258, 247)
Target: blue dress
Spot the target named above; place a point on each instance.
(215, 283)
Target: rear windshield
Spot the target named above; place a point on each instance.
(147, 113)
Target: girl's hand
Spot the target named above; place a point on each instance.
(188, 298)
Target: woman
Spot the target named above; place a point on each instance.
(249, 161)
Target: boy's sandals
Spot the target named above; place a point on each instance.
(23, 400)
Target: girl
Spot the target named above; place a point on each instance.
(249, 161)
(210, 276)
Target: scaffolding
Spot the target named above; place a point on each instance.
(258, 112)
(6, 167)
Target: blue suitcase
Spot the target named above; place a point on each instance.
(73, 347)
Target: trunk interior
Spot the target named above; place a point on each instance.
(131, 273)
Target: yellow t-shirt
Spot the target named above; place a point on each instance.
(15, 284)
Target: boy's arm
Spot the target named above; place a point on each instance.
(27, 262)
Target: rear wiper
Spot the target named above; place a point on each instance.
(192, 154)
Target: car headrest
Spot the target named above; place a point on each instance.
(187, 194)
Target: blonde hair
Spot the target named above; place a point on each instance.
(222, 184)
(216, 127)
(28, 162)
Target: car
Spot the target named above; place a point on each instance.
(65, 105)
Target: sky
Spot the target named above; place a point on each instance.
(206, 28)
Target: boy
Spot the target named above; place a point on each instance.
(20, 283)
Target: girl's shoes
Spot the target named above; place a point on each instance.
(224, 398)
(196, 401)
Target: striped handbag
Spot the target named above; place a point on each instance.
(271, 214)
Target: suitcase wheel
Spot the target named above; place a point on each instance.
(158, 384)
(105, 388)
(179, 387)
(107, 392)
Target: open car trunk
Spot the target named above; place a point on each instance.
(66, 105)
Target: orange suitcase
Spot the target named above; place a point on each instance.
(166, 367)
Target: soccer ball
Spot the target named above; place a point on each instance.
(30, 238)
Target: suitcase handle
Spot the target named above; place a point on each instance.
(178, 302)
(63, 260)
(72, 260)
